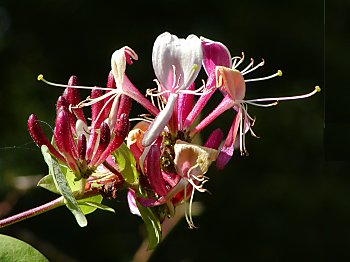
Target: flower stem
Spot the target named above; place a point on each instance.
(32, 212)
(44, 208)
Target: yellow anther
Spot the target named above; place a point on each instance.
(279, 72)
(40, 77)
(318, 89)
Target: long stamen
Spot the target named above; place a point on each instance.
(150, 93)
(252, 69)
(317, 89)
(279, 73)
(140, 119)
(249, 66)
(190, 210)
(41, 78)
(239, 62)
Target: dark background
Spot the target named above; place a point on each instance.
(277, 204)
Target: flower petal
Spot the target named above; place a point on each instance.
(232, 81)
(132, 203)
(161, 120)
(192, 158)
(154, 172)
(227, 149)
(214, 54)
(182, 55)
(118, 63)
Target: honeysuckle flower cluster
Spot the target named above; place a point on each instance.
(157, 161)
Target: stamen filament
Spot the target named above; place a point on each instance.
(252, 69)
(41, 78)
(317, 89)
(249, 66)
(239, 62)
(279, 73)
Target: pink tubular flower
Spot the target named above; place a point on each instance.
(165, 166)
(180, 171)
(232, 84)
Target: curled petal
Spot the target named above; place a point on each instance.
(182, 55)
(118, 63)
(192, 160)
(232, 81)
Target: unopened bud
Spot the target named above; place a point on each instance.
(120, 134)
(82, 146)
(39, 137)
(63, 136)
(154, 172)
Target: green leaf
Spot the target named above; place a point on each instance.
(48, 183)
(153, 226)
(12, 249)
(127, 164)
(62, 185)
(94, 205)
(94, 200)
(75, 186)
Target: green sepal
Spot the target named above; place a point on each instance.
(63, 186)
(126, 164)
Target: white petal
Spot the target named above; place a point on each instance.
(161, 120)
(183, 54)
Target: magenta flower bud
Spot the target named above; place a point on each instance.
(120, 134)
(61, 102)
(82, 146)
(96, 108)
(39, 137)
(214, 139)
(63, 138)
(73, 97)
(154, 172)
(124, 106)
(111, 81)
(72, 94)
(105, 138)
(97, 119)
